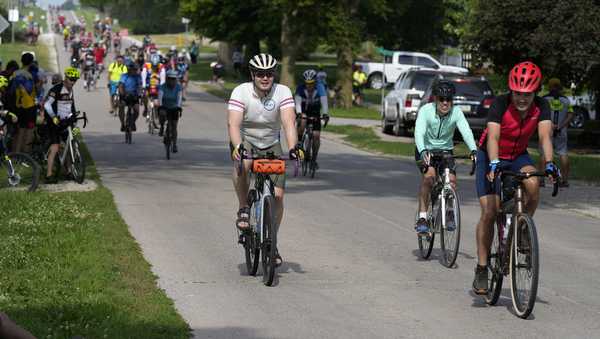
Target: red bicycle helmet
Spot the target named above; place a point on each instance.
(525, 77)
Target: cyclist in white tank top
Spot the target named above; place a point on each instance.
(256, 112)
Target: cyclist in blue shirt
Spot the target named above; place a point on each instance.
(170, 95)
(130, 90)
(311, 101)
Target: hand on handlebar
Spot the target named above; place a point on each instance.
(552, 171)
(297, 153)
(493, 170)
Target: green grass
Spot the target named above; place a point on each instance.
(10, 51)
(355, 113)
(70, 267)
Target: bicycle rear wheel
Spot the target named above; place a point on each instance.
(450, 238)
(21, 172)
(269, 245)
(426, 240)
(167, 140)
(78, 165)
(128, 126)
(524, 266)
(151, 121)
(495, 265)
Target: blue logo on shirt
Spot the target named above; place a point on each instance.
(269, 104)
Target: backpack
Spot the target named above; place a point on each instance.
(22, 89)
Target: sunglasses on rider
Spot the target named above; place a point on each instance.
(72, 79)
(264, 74)
(445, 99)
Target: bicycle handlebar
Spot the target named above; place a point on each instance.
(243, 157)
(84, 118)
(520, 176)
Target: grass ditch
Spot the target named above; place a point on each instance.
(12, 51)
(70, 267)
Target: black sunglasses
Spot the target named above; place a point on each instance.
(262, 74)
(445, 99)
(73, 79)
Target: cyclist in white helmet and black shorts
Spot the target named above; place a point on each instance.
(256, 112)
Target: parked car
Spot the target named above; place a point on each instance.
(474, 95)
(399, 109)
(583, 107)
(399, 62)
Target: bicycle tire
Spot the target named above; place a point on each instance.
(450, 254)
(27, 172)
(426, 241)
(307, 144)
(78, 165)
(151, 122)
(128, 127)
(495, 264)
(167, 140)
(269, 245)
(251, 243)
(524, 241)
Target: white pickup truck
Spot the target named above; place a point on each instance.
(400, 61)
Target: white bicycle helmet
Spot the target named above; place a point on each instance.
(262, 61)
(310, 76)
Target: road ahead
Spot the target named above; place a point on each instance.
(351, 265)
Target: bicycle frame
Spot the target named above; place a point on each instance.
(67, 149)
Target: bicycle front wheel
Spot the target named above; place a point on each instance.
(78, 164)
(495, 265)
(524, 266)
(269, 245)
(21, 172)
(426, 240)
(307, 144)
(251, 243)
(450, 233)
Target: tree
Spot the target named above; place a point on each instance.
(562, 36)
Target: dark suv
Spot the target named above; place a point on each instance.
(473, 96)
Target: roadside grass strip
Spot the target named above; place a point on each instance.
(69, 266)
(355, 113)
(12, 51)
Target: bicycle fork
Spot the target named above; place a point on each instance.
(443, 196)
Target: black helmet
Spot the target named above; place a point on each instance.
(445, 89)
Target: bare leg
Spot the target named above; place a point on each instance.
(489, 208)
(51, 158)
(10, 330)
(565, 167)
(241, 183)
(427, 182)
(316, 144)
(532, 191)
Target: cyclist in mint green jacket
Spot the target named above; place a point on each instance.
(434, 131)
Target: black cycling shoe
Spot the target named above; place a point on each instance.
(174, 148)
(122, 128)
(480, 283)
(51, 180)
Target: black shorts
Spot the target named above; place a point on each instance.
(27, 117)
(169, 113)
(437, 162)
(356, 89)
(55, 134)
(130, 100)
(315, 121)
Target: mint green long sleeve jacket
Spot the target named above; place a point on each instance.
(434, 132)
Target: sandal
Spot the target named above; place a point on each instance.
(243, 217)
(278, 259)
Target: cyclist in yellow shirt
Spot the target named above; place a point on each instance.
(115, 70)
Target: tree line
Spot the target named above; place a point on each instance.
(562, 36)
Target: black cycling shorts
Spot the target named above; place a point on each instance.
(130, 99)
(27, 117)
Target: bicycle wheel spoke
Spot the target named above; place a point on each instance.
(524, 266)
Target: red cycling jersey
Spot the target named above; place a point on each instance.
(514, 131)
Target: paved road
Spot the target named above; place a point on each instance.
(351, 268)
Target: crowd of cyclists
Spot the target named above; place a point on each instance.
(141, 77)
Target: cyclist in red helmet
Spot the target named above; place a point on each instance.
(512, 120)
